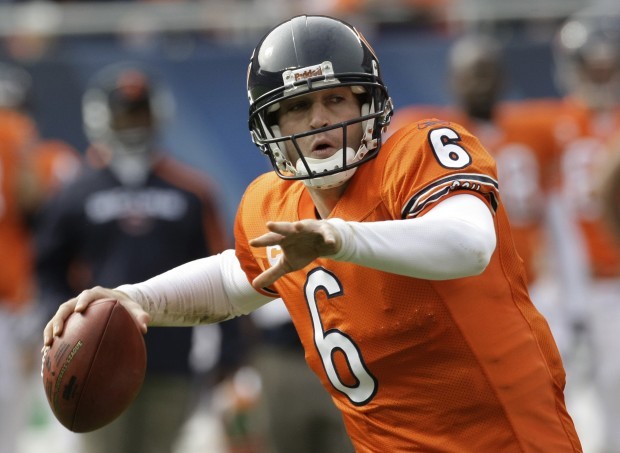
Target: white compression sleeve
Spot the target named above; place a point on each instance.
(454, 239)
(203, 291)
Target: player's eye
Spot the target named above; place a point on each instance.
(297, 106)
(336, 99)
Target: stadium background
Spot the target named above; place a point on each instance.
(205, 65)
(201, 49)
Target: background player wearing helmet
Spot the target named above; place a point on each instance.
(402, 281)
(518, 135)
(610, 193)
(133, 213)
(586, 125)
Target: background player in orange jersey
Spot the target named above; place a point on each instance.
(395, 261)
(610, 192)
(519, 137)
(26, 177)
(586, 128)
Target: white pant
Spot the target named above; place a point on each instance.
(604, 335)
(18, 357)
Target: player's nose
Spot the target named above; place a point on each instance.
(319, 116)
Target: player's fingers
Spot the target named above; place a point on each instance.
(320, 228)
(269, 277)
(283, 228)
(55, 325)
(88, 296)
(141, 317)
(47, 335)
(266, 239)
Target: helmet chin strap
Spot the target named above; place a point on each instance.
(318, 166)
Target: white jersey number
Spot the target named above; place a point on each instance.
(444, 144)
(334, 340)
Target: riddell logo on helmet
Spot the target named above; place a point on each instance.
(307, 73)
(292, 76)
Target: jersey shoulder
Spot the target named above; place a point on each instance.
(428, 160)
(412, 114)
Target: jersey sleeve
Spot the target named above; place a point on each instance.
(432, 160)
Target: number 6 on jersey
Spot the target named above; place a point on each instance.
(329, 342)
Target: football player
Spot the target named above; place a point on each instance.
(115, 223)
(587, 51)
(30, 169)
(395, 261)
(518, 134)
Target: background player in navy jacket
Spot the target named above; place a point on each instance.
(133, 213)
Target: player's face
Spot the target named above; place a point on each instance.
(599, 67)
(478, 85)
(139, 118)
(316, 110)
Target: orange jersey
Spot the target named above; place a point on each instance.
(417, 365)
(522, 143)
(55, 164)
(585, 140)
(16, 133)
(51, 162)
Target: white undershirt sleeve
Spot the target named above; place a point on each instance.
(454, 239)
(203, 291)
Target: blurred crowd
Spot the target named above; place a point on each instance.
(71, 217)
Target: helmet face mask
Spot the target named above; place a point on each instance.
(124, 104)
(123, 109)
(306, 55)
(477, 74)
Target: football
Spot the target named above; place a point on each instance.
(93, 371)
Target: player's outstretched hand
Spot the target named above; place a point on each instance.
(55, 325)
(301, 243)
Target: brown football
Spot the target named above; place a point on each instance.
(95, 368)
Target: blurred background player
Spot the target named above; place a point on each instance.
(132, 214)
(610, 191)
(30, 169)
(519, 136)
(587, 51)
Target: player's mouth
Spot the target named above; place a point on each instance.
(323, 148)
